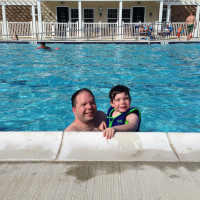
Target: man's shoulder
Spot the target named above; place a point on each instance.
(72, 127)
(101, 116)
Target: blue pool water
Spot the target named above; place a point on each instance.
(36, 85)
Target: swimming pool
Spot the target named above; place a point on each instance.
(36, 85)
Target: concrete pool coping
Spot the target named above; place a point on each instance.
(84, 165)
(91, 146)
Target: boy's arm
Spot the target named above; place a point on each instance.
(102, 126)
(133, 120)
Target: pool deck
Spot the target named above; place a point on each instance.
(84, 165)
(172, 40)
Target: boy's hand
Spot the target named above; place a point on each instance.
(102, 126)
(109, 132)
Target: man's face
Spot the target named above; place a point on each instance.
(85, 109)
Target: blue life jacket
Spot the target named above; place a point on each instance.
(121, 119)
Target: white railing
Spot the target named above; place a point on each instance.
(109, 29)
(99, 29)
(20, 28)
(55, 29)
(89, 30)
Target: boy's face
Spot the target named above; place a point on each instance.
(121, 102)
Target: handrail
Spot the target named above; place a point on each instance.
(90, 30)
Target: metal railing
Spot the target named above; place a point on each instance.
(89, 30)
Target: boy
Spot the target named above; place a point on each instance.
(179, 32)
(120, 116)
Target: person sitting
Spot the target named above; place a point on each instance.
(141, 30)
(167, 30)
(148, 30)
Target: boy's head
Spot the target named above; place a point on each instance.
(120, 98)
(117, 90)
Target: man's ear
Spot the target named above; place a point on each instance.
(74, 110)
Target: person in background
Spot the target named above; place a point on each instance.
(44, 47)
(15, 37)
(190, 23)
(179, 32)
(141, 30)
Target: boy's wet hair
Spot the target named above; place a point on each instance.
(73, 99)
(117, 90)
(42, 43)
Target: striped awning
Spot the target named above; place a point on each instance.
(182, 2)
(34, 2)
(18, 2)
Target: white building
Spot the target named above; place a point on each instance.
(76, 17)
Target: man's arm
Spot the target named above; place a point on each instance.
(195, 22)
(186, 21)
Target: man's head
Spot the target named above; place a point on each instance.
(191, 13)
(42, 44)
(83, 105)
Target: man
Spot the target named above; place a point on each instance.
(191, 24)
(87, 118)
(44, 47)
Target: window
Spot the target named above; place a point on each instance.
(89, 15)
(112, 15)
(74, 15)
(126, 15)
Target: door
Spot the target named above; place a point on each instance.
(62, 14)
(63, 18)
(138, 14)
